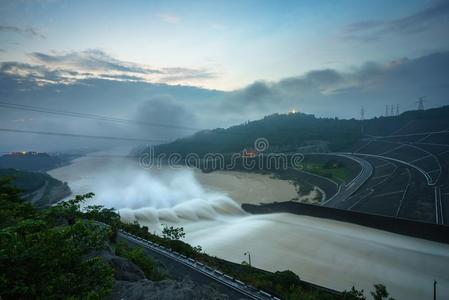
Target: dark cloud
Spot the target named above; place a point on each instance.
(165, 110)
(27, 31)
(96, 63)
(257, 92)
(36, 73)
(371, 30)
(332, 93)
(93, 60)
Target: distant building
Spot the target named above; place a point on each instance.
(23, 153)
(249, 153)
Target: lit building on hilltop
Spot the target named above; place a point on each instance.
(23, 153)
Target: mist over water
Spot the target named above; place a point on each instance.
(152, 196)
(334, 254)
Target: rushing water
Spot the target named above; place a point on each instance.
(335, 254)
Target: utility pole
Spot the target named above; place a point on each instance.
(249, 257)
(435, 290)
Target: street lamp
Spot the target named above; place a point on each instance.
(249, 257)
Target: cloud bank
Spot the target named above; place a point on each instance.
(325, 93)
(47, 68)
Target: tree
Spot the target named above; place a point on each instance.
(354, 294)
(380, 292)
(43, 256)
(173, 233)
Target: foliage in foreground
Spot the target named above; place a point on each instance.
(45, 254)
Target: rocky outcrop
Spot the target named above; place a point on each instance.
(124, 269)
(164, 290)
(131, 284)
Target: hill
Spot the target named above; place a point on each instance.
(298, 132)
(38, 188)
(284, 132)
(29, 161)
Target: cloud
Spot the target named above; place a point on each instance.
(325, 92)
(331, 92)
(26, 31)
(182, 74)
(372, 30)
(90, 60)
(78, 65)
(165, 109)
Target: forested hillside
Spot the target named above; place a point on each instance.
(288, 132)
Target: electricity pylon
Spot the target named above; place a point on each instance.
(421, 103)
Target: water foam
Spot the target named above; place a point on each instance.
(157, 196)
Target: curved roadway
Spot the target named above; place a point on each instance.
(345, 190)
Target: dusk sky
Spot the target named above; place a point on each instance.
(219, 44)
(208, 64)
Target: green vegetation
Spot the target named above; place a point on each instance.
(380, 292)
(45, 254)
(173, 233)
(332, 170)
(137, 255)
(285, 132)
(31, 182)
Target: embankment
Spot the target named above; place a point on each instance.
(428, 231)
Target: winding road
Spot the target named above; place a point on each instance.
(345, 190)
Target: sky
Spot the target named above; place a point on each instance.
(207, 64)
(224, 45)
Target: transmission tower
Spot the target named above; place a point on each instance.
(397, 109)
(421, 103)
(362, 118)
(386, 110)
(391, 110)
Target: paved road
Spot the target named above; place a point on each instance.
(183, 266)
(345, 190)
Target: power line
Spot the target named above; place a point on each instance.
(75, 135)
(82, 135)
(91, 116)
(103, 118)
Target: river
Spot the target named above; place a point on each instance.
(334, 254)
